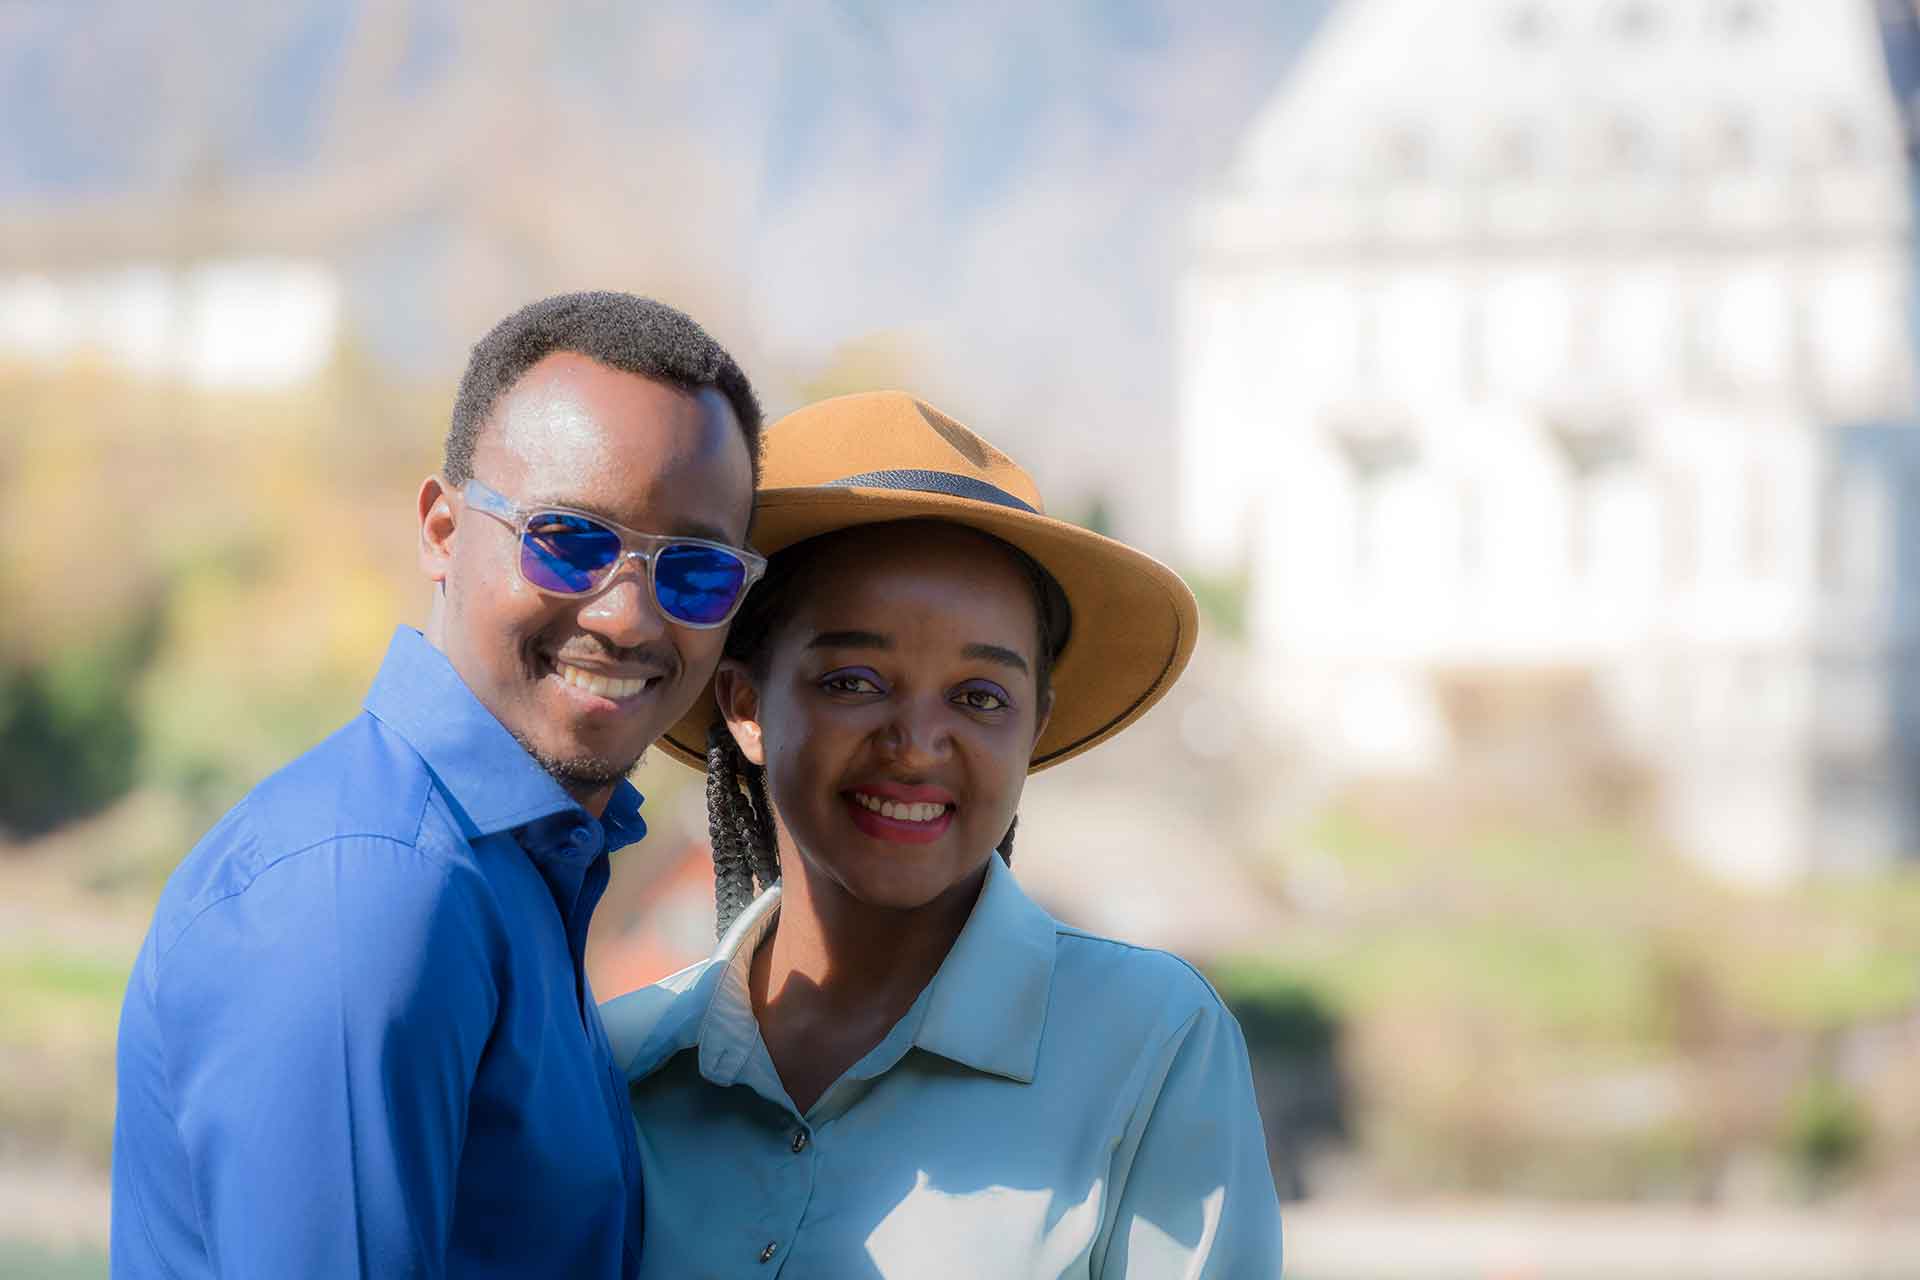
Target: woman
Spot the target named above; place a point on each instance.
(895, 1064)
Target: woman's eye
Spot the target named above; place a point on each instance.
(849, 682)
(981, 699)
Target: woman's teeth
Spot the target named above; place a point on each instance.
(604, 686)
(899, 812)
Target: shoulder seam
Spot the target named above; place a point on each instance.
(228, 895)
(1081, 935)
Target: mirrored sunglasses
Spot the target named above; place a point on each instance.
(563, 552)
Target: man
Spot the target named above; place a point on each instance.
(359, 1040)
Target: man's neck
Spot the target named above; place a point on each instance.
(592, 797)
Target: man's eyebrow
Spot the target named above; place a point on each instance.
(690, 528)
(850, 640)
(995, 653)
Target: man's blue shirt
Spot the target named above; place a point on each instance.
(358, 1040)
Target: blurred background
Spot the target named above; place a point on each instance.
(1527, 387)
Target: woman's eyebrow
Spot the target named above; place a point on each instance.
(850, 640)
(995, 653)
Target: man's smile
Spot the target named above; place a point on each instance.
(606, 686)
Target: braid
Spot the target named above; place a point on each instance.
(1005, 847)
(740, 824)
(763, 853)
(732, 880)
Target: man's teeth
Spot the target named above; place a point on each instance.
(604, 686)
(899, 812)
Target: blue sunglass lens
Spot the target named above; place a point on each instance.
(567, 553)
(697, 584)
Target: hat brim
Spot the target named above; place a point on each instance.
(1134, 621)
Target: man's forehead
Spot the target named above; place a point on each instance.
(544, 419)
(579, 433)
(569, 407)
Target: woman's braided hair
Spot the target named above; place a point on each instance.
(746, 846)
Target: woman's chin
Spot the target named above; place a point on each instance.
(896, 883)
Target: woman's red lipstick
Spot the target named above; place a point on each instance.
(862, 802)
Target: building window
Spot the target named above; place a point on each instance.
(1762, 521)
(1627, 146)
(1636, 20)
(1746, 17)
(1473, 532)
(1842, 144)
(1733, 143)
(1528, 25)
(1406, 154)
(1516, 152)
(1379, 449)
(1854, 533)
(1680, 528)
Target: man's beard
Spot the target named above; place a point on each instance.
(579, 776)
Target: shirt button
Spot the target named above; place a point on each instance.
(799, 1141)
(582, 837)
(766, 1254)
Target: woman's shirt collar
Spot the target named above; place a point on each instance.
(984, 1009)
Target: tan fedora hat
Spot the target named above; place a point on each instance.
(884, 455)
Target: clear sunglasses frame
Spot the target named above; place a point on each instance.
(633, 545)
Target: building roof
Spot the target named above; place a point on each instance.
(1490, 116)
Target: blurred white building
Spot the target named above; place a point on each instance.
(1566, 345)
(243, 323)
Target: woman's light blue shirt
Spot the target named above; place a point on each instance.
(1053, 1104)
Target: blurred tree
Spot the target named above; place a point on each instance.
(69, 736)
(1826, 1133)
(1292, 1037)
(1098, 517)
(1223, 599)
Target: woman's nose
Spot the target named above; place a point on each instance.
(916, 736)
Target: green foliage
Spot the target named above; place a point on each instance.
(1278, 1013)
(1098, 517)
(1827, 1131)
(1223, 600)
(69, 734)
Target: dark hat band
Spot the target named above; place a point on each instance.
(941, 482)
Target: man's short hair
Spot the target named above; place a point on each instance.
(632, 334)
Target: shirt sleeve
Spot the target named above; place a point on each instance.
(1197, 1199)
(321, 1031)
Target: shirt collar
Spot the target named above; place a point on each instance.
(492, 781)
(988, 1003)
(985, 1008)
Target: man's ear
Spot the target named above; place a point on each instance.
(436, 528)
(739, 701)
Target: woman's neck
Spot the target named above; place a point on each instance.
(836, 974)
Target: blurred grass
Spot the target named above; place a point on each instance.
(1565, 1009)
(59, 1008)
(22, 1261)
(1576, 929)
